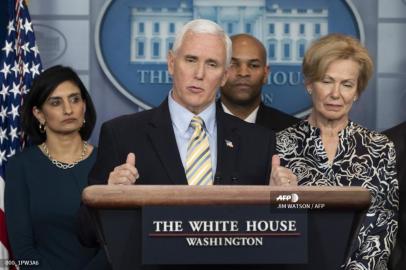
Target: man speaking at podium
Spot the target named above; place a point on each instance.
(186, 140)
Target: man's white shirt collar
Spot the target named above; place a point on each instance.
(250, 118)
(181, 116)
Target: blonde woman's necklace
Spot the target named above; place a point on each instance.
(63, 165)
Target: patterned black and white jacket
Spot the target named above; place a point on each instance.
(363, 158)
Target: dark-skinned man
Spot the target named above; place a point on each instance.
(241, 95)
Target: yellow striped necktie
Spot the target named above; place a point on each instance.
(198, 159)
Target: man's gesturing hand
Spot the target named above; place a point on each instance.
(281, 176)
(125, 174)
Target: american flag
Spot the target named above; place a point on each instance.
(20, 63)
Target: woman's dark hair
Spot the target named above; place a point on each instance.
(41, 89)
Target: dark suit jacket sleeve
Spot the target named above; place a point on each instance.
(272, 151)
(107, 156)
(105, 162)
(86, 232)
(274, 119)
(397, 134)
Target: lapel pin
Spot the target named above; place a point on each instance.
(229, 143)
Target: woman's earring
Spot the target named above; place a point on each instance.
(309, 91)
(42, 128)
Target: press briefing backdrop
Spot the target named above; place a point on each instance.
(119, 46)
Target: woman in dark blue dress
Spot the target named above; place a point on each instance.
(45, 181)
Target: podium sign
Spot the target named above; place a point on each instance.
(223, 235)
(149, 227)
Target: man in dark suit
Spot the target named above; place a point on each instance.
(397, 134)
(186, 140)
(154, 147)
(241, 95)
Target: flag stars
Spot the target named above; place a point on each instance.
(2, 157)
(14, 111)
(20, 23)
(34, 69)
(27, 26)
(8, 48)
(16, 47)
(3, 135)
(15, 90)
(13, 133)
(35, 50)
(3, 113)
(15, 69)
(4, 91)
(10, 27)
(25, 90)
(19, 63)
(5, 70)
(11, 153)
(21, 3)
(26, 69)
(26, 48)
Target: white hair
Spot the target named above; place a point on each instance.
(205, 27)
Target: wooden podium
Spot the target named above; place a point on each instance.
(333, 217)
